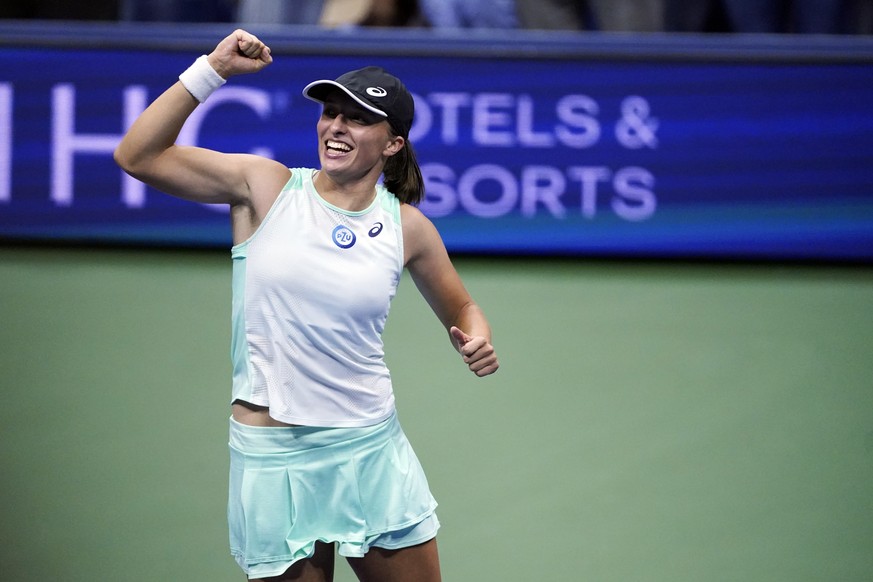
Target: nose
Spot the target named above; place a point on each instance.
(338, 123)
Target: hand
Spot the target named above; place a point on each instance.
(478, 353)
(240, 53)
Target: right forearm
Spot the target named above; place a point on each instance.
(148, 151)
(156, 130)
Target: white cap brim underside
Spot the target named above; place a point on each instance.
(363, 104)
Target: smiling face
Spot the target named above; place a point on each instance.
(352, 141)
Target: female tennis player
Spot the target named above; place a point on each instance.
(318, 459)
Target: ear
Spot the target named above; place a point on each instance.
(395, 144)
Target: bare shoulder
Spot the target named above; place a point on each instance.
(415, 226)
(264, 179)
(420, 236)
(411, 217)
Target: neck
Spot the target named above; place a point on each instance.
(352, 196)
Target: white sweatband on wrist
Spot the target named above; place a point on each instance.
(201, 80)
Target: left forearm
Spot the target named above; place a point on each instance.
(471, 319)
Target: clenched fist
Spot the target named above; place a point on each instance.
(239, 53)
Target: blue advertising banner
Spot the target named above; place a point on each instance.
(583, 155)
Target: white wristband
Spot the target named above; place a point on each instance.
(201, 80)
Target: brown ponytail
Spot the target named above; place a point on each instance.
(403, 176)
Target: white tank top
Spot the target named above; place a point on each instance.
(311, 292)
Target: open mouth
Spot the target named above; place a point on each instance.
(337, 147)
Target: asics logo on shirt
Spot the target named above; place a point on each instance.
(377, 228)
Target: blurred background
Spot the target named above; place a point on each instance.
(684, 395)
(718, 16)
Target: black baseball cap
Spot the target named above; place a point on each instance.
(375, 90)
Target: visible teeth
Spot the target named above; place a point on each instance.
(335, 145)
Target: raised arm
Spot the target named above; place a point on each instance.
(442, 288)
(149, 152)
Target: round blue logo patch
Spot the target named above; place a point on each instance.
(343, 237)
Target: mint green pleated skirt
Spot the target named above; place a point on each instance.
(293, 486)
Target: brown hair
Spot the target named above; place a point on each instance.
(403, 176)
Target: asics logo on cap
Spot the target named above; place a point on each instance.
(376, 92)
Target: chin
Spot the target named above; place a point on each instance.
(330, 167)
